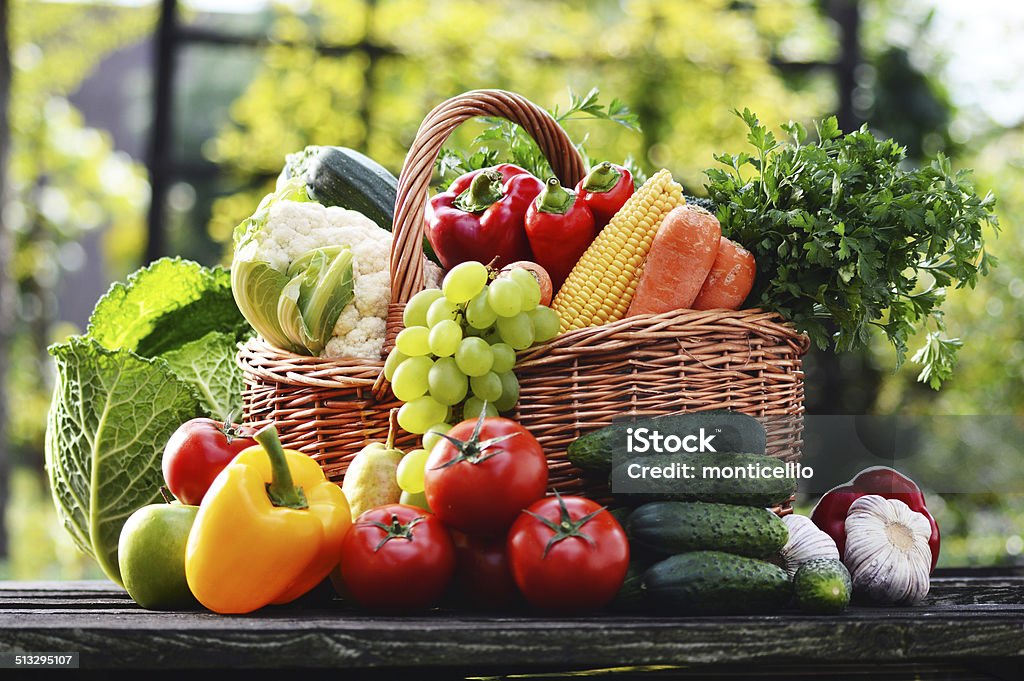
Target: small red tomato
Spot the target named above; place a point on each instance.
(480, 484)
(397, 557)
(538, 272)
(197, 451)
(568, 553)
(482, 571)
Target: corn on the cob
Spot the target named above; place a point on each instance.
(600, 287)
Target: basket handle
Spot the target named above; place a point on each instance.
(414, 180)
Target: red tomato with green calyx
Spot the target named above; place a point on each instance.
(197, 451)
(483, 474)
(568, 554)
(397, 557)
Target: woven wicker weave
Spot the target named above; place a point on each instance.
(686, 360)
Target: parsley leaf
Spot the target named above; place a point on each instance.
(848, 238)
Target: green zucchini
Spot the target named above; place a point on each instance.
(712, 582)
(339, 176)
(671, 527)
(822, 586)
(594, 451)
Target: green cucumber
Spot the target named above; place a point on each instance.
(671, 527)
(749, 491)
(593, 452)
(712, 582)
(732, 431)
(822, 586)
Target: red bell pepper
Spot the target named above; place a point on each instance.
(560, 227)
(830, 512)
(481, 216)
(605, 188)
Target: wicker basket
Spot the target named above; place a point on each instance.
(687, 360)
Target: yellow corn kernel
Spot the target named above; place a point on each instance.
(600, 287)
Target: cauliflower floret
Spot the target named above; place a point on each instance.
(365, 339)
(294, 228)
(297, 227)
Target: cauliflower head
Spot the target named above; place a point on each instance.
(287, 229)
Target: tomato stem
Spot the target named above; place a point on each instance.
(566, 526)
(396, 530)
(230, 429)
(472, 450)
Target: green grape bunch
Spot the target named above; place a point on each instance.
(456, 356)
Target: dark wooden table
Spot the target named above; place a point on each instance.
(971, 627)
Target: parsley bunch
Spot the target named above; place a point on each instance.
(847, 237)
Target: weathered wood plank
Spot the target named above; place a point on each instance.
(73, 586)
(202, 640)
(966, 621)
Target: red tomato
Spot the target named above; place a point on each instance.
(538, 272)
(397, 557)
(197, 451)
(482, 571)
(568, 553)
(481, 486)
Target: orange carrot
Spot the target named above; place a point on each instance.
(730, 280)
(681, 256)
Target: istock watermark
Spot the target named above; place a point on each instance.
(945, 454)
(643, 440)
(686, 471)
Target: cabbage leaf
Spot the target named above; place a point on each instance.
(111, 415)
(160, 349)
(208, 365)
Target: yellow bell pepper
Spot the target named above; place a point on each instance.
(268, 530)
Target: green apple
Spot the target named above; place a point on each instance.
(151, 555)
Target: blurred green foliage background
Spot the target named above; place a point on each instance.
(77, 199)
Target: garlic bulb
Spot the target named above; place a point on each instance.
(806, 542)
(887, 550)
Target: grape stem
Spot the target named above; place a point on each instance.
(492, 268)
(392, 429)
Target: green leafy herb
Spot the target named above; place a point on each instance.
(503, 140)
(848, 238)
(160, 350)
